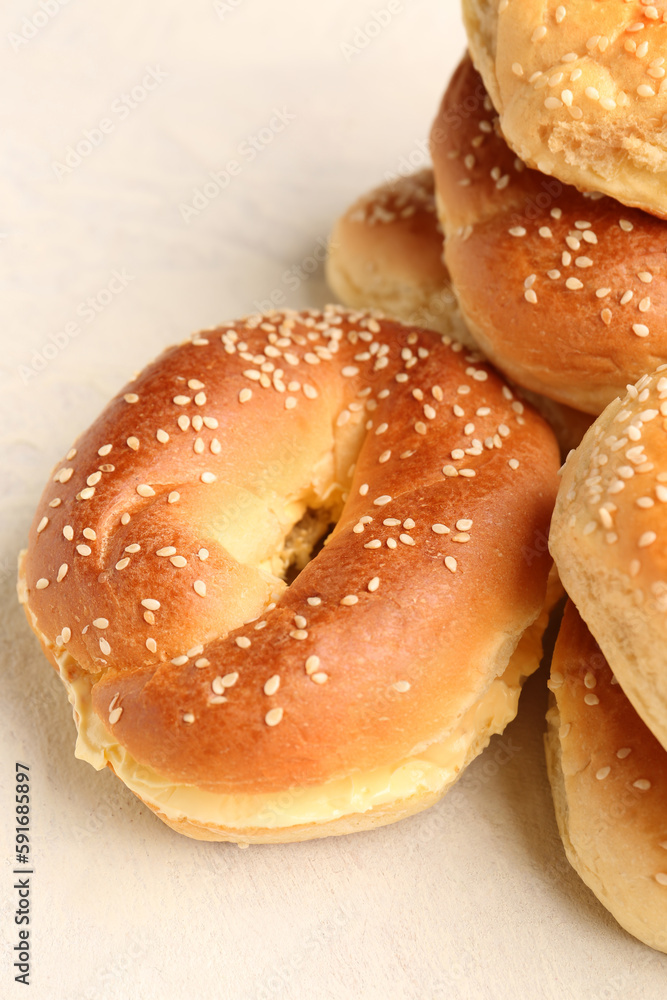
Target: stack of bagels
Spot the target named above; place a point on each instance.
(539, 240)
(294, 575)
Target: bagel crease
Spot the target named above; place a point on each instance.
(580, 89)
(566, 293)
(608, 775)
(607, 539)
(386, 253)
(239, 707)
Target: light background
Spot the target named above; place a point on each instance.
(473, 899)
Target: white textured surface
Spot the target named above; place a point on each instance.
(473, 899)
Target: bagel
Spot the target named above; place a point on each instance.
(565, 293)
(608, 542)
(391, 260)
(386, 252)
(608, 775)
(239, 705)
(580, 89)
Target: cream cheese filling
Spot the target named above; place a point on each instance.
(431, 770)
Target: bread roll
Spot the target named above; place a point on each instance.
(581, 91)
(244, 690)
(608, 775)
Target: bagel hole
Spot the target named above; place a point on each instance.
(305, 541)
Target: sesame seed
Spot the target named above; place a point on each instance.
(440, 529)
(188, 718)
(272, 685)
(122, 563)
(87, 493)
(101, 623)
(642, 784)
(131, 397)
(623, 753)
(62, 572)
(42, 583)
(273, 717)
(173, 497)
(314, 601)
(168, 550)
(640, 329)
(115, 714)
(105, 647)
(363, 489)
(145, 491)
(591, 699)
(84, 550)
(208, 477)
(602, 773)
(451, 564)
(42, 524)
(647, 539)
(151, 645)
(349, 600)
(312, 664)
(574, 284)
(319, 678)
(199, 587)
(382, 501)
(178, 561)
(406, 539)
(374, 584)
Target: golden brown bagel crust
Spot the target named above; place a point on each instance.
(410, 624)
(567, 294)
(608, 775)
(580, 89)
(608, 540)
(386, 252)
(382, 258)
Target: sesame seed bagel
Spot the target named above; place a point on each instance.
(565, 293)
(608, 776)
(386, 252)
(581, 90)
(241, 706)
(607, 538)
(392, 260)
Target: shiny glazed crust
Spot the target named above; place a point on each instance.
(565, 293)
